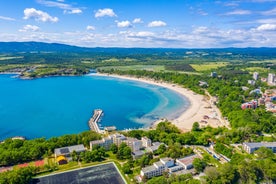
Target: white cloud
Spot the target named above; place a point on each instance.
(267, 27)
(73, 11)
(90, 28)
(7, 18)
(124, 24)
(68, 9)
(38, 15)
(239, 12)
(29, 28)
(105, 12)
(269, 12)
(157, 23)
(137, 20)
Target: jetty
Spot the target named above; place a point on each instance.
(93, 122)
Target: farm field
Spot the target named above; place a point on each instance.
(208, 66)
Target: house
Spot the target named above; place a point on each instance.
(67, 151)
(250, 105)
(250, 147)
(187, 162)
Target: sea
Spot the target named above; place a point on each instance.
(54, 106)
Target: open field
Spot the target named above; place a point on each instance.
(2, 58)
(265, 61)
(155, 68)
(104, 173)
(257, 69)
(208, 66)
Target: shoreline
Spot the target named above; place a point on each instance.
(199, 108)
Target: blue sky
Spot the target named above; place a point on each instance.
(141, 23)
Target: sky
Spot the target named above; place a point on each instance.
(141, 23)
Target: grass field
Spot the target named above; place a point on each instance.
(155, 68)
(257, 69)
(265, 61)
(208, 66)
(2, 58)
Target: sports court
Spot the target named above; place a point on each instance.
(103, 174)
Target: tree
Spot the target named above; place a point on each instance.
(114, 148)
(199, 164)
(126, 168)
(196, 126)
(264, 152)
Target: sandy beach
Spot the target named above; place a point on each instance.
(201, 108)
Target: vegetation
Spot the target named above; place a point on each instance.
(20, 151)
(234, 68)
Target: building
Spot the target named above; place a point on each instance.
(157, 168)
(250, 105)
(61, 160)
(271, 78)
(118, 138)
(146, 142)
(187, 162)
(251, 82)
(133, 143)
(67, 151)
(154, 147)
(250, 147)
(255, 75)
(105, 142)
(214, 74)
(137, 154)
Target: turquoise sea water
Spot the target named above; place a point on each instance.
(56, 106)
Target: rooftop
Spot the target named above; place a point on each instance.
(188, 160)
(159, 164)
(260, 144)
(69, 149)
(148, 169)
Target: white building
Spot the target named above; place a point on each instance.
(157, 168)
(133, 143)
(105, 142)
(255, 75)
(146, 142)
(250, 147)
(271, 78)
(67, 151)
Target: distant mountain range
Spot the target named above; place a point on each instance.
(17, 47)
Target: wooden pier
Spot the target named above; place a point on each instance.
(93, 122)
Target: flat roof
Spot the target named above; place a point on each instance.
(159, 164)
(187, 160)
(149, 169)
(69, 149)
(260, 144)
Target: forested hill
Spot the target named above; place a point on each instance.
(17, 47)
(49, 53)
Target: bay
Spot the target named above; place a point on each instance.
(55, 106)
